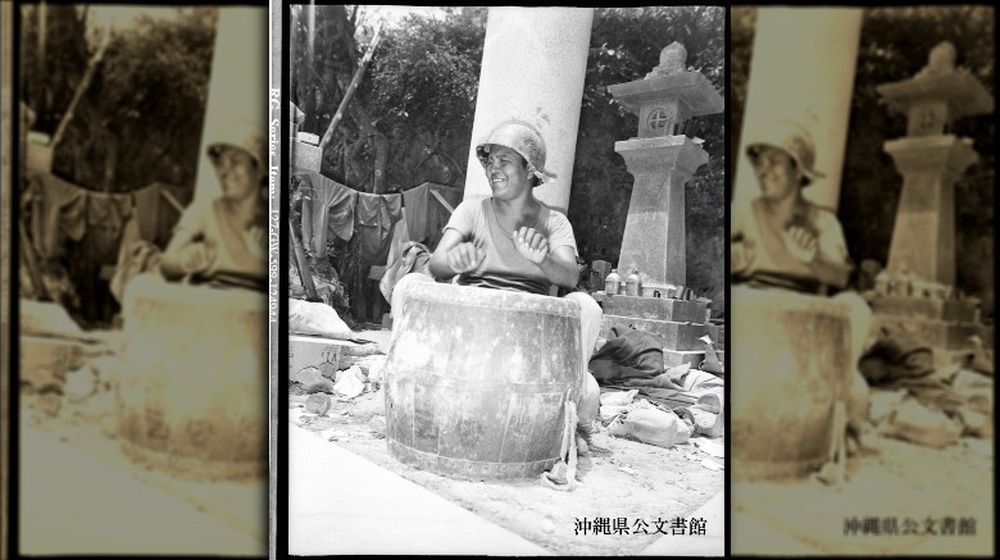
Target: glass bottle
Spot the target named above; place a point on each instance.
(633, 284)
(613, 282)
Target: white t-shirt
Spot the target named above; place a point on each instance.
(503, 266)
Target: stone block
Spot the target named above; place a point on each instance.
(939, 335)
(601, 269)
(675, 335)
(305, 351)
(674, 358)
(659, 309)
(924, 308)
(306, 156)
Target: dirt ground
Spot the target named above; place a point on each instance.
(912, 486)
(642, 483)
(88, 424)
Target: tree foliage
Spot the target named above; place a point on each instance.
(140, 119)
(625, 46)
(411, 119)
(894, 45)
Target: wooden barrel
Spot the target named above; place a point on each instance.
(191, 392)
(477, 380)
(790, 361)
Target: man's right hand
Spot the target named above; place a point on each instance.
(741, 258)
(465, 257)
(197, 257)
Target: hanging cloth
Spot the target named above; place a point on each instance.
(376, 216)
(327, 207)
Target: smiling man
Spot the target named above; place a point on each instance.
(784, 239)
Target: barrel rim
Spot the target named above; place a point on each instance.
(788, 300)
(488, 298)
(466, 469)
(193, 468)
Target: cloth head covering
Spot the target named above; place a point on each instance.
(247, 135)
(793, 139)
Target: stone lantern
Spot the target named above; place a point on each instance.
(654, 242)
(931, 161)
(662, 162)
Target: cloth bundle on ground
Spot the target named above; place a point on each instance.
(628, 354)
(413, 257)
(135, 256)
(649, 424)
(895, 355)
(634, 359)
(306, 317)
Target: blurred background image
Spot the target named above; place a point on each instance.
(142, 394)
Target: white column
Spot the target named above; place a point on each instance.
(803, 68)
(238, 84)
(534, 62)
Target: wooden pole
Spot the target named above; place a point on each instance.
(360, 73)
(302, 264)
(80, 89)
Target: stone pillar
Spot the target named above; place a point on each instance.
(661, 162)
(803, 69)
(534, 63)
(237, 87)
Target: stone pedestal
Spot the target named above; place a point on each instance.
(679, 323)
(534, 64)
(654, 240)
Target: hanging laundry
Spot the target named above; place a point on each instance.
(415, 201)
(327, 207)
(438, 215)
(425, 215)
(60, 211)
(147, 211)
(106, 217)
(400, 237)
(376, 215)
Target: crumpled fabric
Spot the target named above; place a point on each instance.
(648, 424)
(896, 355)
(677, 388)
(413, 257)
(628, 354)
(135, 256)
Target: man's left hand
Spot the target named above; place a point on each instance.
(531, 244)
(801, 244)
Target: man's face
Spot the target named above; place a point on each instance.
(237, 172)
(776, 172)
(507, 173)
